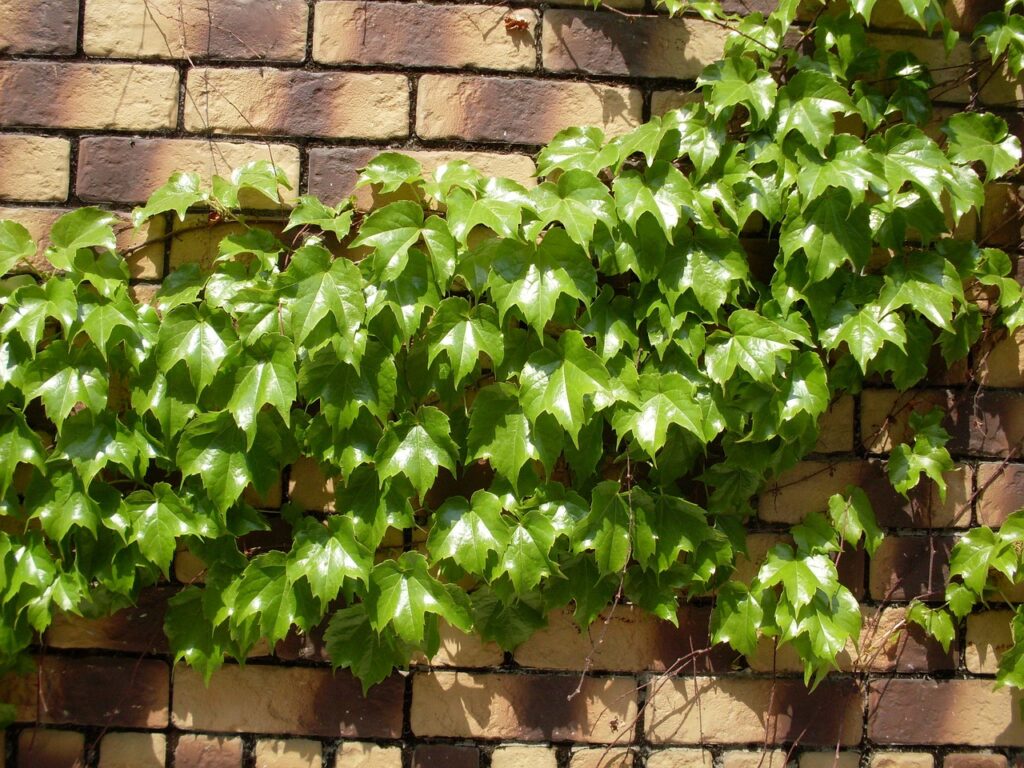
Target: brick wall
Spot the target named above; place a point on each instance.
(101, 99)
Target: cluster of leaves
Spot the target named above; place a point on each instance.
(575, 390)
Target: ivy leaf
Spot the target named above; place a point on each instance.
(866, 330)
(343, 390)
(265, 595)
(975, 137)
(925, 281)
(609, 321)
(191, 635)
(391, 232)
(390, 170)
(18, 445)
(852, 166)
(77, 230)
(402, 592)
(214, 448)
(462, 332)
(661, 191)
(61, 502)
(498, 206)
(309, 211)
(853, 518)
(527, 559)
(662, 400)
(976, 553)
(416, 446)
(533, 278)
(325, 554)
(800, 575)
(500, 432)
(736, 80)
(201, 338)
(158, 518)
(316, 288)
(807, 104)
(181, 192)
(664, 527)
(961, 599)
(266, 377)
(62, 378)
(712, 264)
(468, 532)
(16, 245)
(736, 617)
(578, 201)
(91, 440)
(606, 527)
(935, 621)
(261, 176)
(928, 454)
(558, 381)
(909, 156)
(830, 232)
(581, 148)
(352, 642)
(805, 389)
(754, 345)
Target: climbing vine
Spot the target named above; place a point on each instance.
(566, 394)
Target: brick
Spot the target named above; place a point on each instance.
(42, 26)
(902, 760)
(127, 170)
(520, 111)
(197, 240)
(1000, 491)
(990, 424)
(748, 758)
(525, 757)
(665, 101)
(988, 638)
(884, 415)
(1003, 364)
(906, 711)
(521, 707)
(133, 750)
(807, 487)
(146, 263)
(34, 167)
(93, 690)
(136, 629)
(263, 101)
(595, 757)
(201, 751)
(117, 97)
(38, 748)
(963, 14)
(459, 649)
(1001, 88)
(624, 640)
(445, 756)
(974, 760)
(399, 34)
(836, 424)
(680, 758)
(932, 53)
(905, 567)
(310, 701)
(601, 43)
(195, 29)
(354, 754)
(736, 711)
(830, 759)
(333, 171)
(288, 753)
(1001, 225)
(309, 488)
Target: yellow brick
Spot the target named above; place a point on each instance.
(263, 101)
(773, 758)
(133, 750)
(1001, 88)
(612, 757)
(680, 758)
(885, 415)
(988, 638)
(830, 759)
(665, 101)
(902, 760)
(836, 426)
(357, 754)
(524, 757)
(932, 53)
(288, 753)
(34, 167)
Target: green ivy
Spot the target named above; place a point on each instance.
(568, 394)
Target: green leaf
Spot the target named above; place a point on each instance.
(664, 527)
(807, 104)
(462, 332)
(526, 559)
(417, 446)
(265, 595)
(353, 643)
(18, 445)
(737, 80)
(62, 378)
(578, 201)
(500, 433)
(736, 617)
(498, 206)
(266, 377)
(158, 518)
(853, 518)
(865, 331)
(402, 592)
(935, 621)
(191, 635)
(662, 400)
(323, 296)
(928, 454)
(850, 166)
(16, 245)
(606, 528)
(712, 264)
(558, 382)
(310, 212)
(609, 321)
(390, 170)
(61, 502)
(200, 338)
(830, 232)
(214, 448)
(662, 191)
(79, 229)
(325, 554)
(469, 532)
(391, 231)
(801, 576)
(181, 192)
(343, 390)
(582, 148)
(979, 137)
(756, 344)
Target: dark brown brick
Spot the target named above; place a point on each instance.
(907, 711)
(312, 702)
(601, 43)
(916, 651)
(40, 26)
(974, 760)
(201, 751)
(445, 756)
(40, 748)
(137, 629)
(905, 567)
(1000, 491)
(991, 424)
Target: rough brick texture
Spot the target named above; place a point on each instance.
(42, 26)
(34, 168)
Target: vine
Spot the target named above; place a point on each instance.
(574, 391)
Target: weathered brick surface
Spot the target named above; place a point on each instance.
(597, 757)
(445, 756)
(314, 702)
(902, 760)
(282, 102)
(196, 29)
(905, 567)
(601, 43)
(353, 32)
(524, 757)
(749, 758)
(988, 637)
(58, 95)
(34, 168)
(94, 690)
(288, 753)
(122, 170)
(202, 751)
(906, 711)
(41, 26)
(133, 750)
(1003, 364)
(676, 757)
(38, 748)
(520, 707)
(137, 629)
(1000, 491)
(356, 754)
(519, 111)
(829, 759)
(974, 760)
(737, 711)
(1000, 224)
